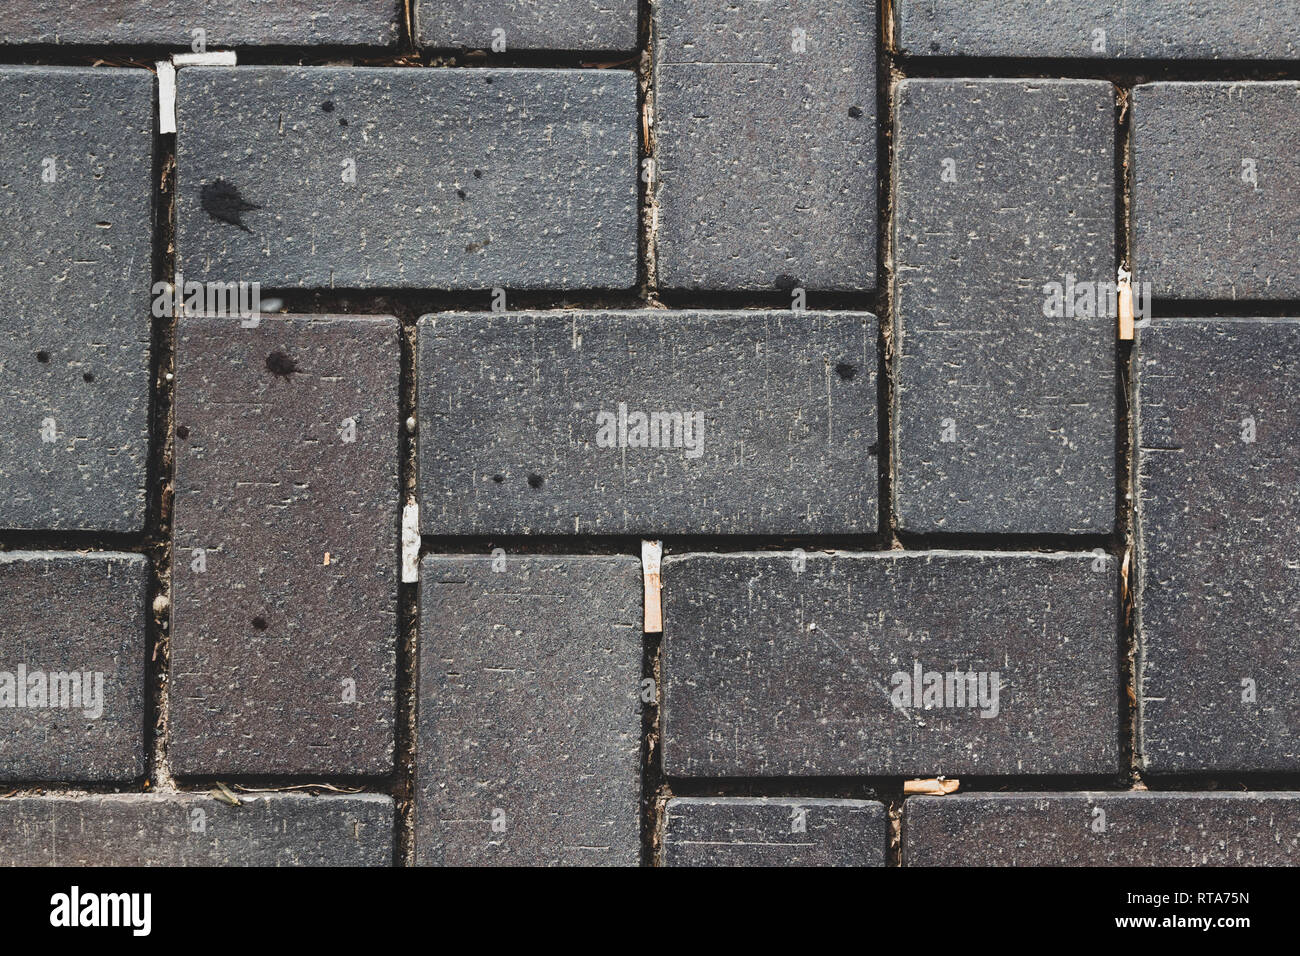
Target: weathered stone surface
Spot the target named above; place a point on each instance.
(284, 643)
(1218, 491)
(463, 179)
(765, 154)
(72, 665)
(190, 829)
(769, 670)
(1006, 415)
(769, 831)
(75, 263)
(528, 24)
(1216, 189)
(225, 23)
(1103, 29)
(1102, 829)
(529, 715)
(521, 422)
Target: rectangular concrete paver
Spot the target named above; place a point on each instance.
(774, 831)
(72, 665)
(1218, 494)
(506, 25)
(285, 539)
(889, 663)
(76, 198)
(1004, 240)
(529, 711)
(362, 178)
(191, 829)
(1102, 829)
(649, 421)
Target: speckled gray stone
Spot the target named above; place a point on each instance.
(75, 264)
(1102, 829)
(520, 422)
(225, 23)
(765, 157)
(1147, 29)
(1218, 544)
(192, 829)
(80, 617)
(528, 24)
(774, 831)
(1005, 416)
(529, 711)
(1216, 189)
(464, 179)
(270, 641)
(769, 670)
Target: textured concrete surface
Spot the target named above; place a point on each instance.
(1218, 491)
(778, 664)
(75, 263)
(1101, 29)
(528, 24)
(765, 155)
(1005, 415)
(463, 179)
(190, 829)
(529, 711)
(532, 422)
(1216, 189)
(774, 831)
(1102, 829)
(225, 23)
(72, 665)
(284, 643)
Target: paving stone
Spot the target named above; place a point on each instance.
(529, 712)
(284, 577)
(1216, 189)
(528, 25)
(191, 829)
(1102, 829)
(1006, 414)
(753, 422)
(225, 23)
(75, 263)
(461, 179)
(765, 144)
(770, 670)
(1218, 491)
(1100, 29)
(770, 831)
(72, 665)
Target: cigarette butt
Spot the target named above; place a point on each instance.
(651, 558)
(1124, 287)
(327, 559)
(938, 787)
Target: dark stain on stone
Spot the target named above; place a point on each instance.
(461, 193)
(478, 174)
(87, 377)
(42, 357)
(535, 481)
(498, 478)
(873, 449)
(328, 106)
(280, 365)
(855, 112)
(182, 432)
(786, 282)
(259, 622)
(342, 121)
(222, 202)
(846, 371)
(478, 246)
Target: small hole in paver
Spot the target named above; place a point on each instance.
(498, 478)
(478, 174)
(277, 363)
(535, 481)
(460, 193)
(42, 356)
(182, 431)
(855, 111)
(846, 371)
(87, 377)
(328, 106)
(259, 622)
(342, 121)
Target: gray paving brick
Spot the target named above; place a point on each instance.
(1102, 829)
(75, 263)
(1216, 189)
(72, 665)
(770, 831)
(769, 670)
(464, 179)
(1218, 490)
(766, 156)
(190, 829)
(521, 422)
(528, 25)
(284, 642)
(225, 23)
(1006, 416)
(1100, 29)
(529, 712)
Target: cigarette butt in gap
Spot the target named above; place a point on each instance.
(938, 787)
(1124, 287)
(652, 553)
